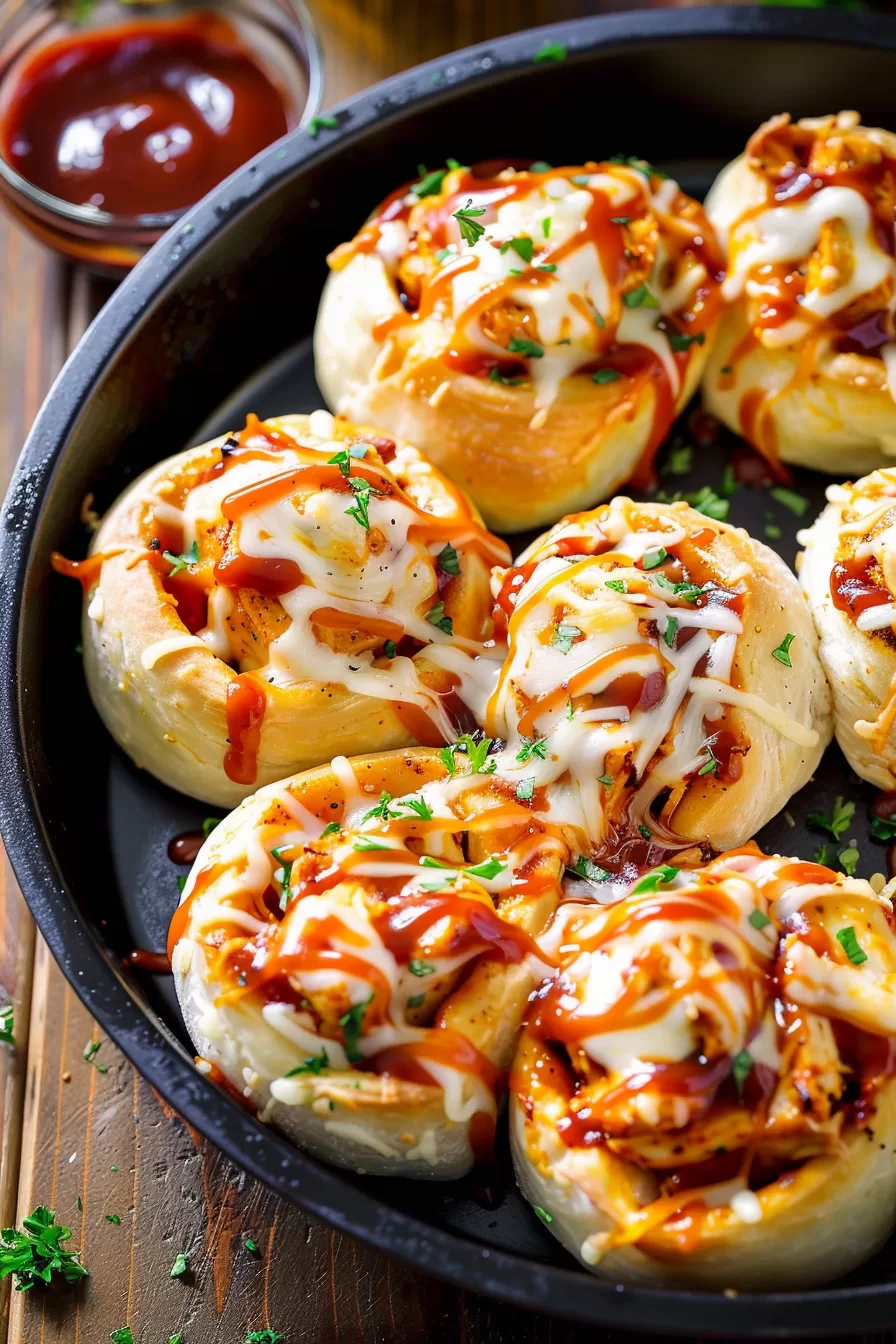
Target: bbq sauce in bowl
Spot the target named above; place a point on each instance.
(141, 118)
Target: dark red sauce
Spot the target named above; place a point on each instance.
(853, 588)
(156, 962)
(141, 118)
(246, 703)
(185, 848)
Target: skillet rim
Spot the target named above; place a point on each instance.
(154, 1051)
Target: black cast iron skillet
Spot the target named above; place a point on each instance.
(223, 305)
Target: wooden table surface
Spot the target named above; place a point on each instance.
(97, 1144)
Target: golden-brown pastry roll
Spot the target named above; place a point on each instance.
(805, 363)
(266, 601)
(355, 950)
(848, 573)
(534, 333)
(704, 1092)
(662, 682)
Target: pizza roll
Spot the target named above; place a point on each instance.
(662, 680)
(848, 573)
(355, 949)
(534, 332)
(805, 364)
(266, 601)
(704, 1091)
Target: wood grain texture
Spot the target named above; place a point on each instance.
(74, 1133)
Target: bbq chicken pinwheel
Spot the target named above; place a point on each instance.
(252, 607)
(805, 363)
(355, 950)
(662, 682)
(535, 333)
(848, 572)
(705, 1093)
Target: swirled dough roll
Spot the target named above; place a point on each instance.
(848, 573)
(704, 1094)
(355, 949)
(805, 363)
(254, 606)
(535, 333)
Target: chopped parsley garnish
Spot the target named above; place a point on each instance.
(366, 842)
(525, 789)
(351, 1023)
(267, 1336)
(420, 967)
(313, 1064)
(447, 755)
(680, 341)
(652, 881)
(640, 298)
(447, 560)
(712, 765)
(585, 868)
(488, 869)
(670, 632)
(209, 825)
(546, 226)
(331, 828)
(317, 124)
(539, 166)
(523, 247)
(570, 712)
(618, 585)
(419, 806)
(468, 222)
(882, 828)
(176, 1339)
(436, 616)
(707, 502)
(759, 919)
(34, 1256)
(547, 266)
(416, 1000)
(381, 810)
(565, 636)
(550, 51)
(822, 855)
(741, 1068)
(390, 648)
(360, 509)
(530, 749)
(606, 780)
(7, 1024)
(113, 1218)
(838, 823)
(849, 859)
(543, 1214)
(496, 376)
(797, 504)
(645, 831)
(180, 1267)
(91, 1050)
(477, 752)
(440, 882)
(122, 1336)
(772, 531)
(651, 559)
(640, 165)
(179, 562)
(521, 346)
(342, 460)
(430, 184)
(599, 318)
(688, 592)
(251, 1246)
(782, 652)
(620, 219)
(729, 484)
(850, 944)
(606, 376)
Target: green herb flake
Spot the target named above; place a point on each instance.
(209, 825)
(640, 298)
(707, 502)
(175, 1339)
(251, 1246)
(606, 376)
(267, 1336)
(113, 1218)
(550, 51)
(882, 828)
(468, 222)
(539, 166)
(839, 821)
(420, 967)
(679, 462)
(546, 226)
(7, 1024)
(91, 1051)
(543, 1214)
(712, 765)
(530, 349)
(680, 341)
(314, 1064)
(565, 636)
(741, 1068)
(382, 810)
(447, 758)
(318, 124)
(529, 749)
(122, 1336)
(389, 648)
(547, 266)
(849, 859)
(436, 616)
(488, 869)
(179, 562)
(584, 867)
(33, 1254)
(351, 1024)
(430, 184)
(444, 253)
(797, 504)
(416, 1000)
(644, 831)
(620, 219)
(850, 944)
(670, 632)
(477, 753)
(364, 843)
(772, 531)
(606, 780)
(179, 1268)
(496, 376)
(447, 560)
(523, 247)
(525, 789)
(331, 828)
(782, 652)
(661, 878)
(822, 855)
(651, 559)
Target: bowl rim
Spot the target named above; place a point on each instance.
(321, 1190)
(91, 217)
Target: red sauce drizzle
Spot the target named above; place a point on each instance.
(246, 704)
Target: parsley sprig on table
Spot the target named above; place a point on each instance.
(34, 1254)
(838, 823)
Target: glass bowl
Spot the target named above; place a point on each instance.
(279, 34)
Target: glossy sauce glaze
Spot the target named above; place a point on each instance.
(143, 117)
(863, 573)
